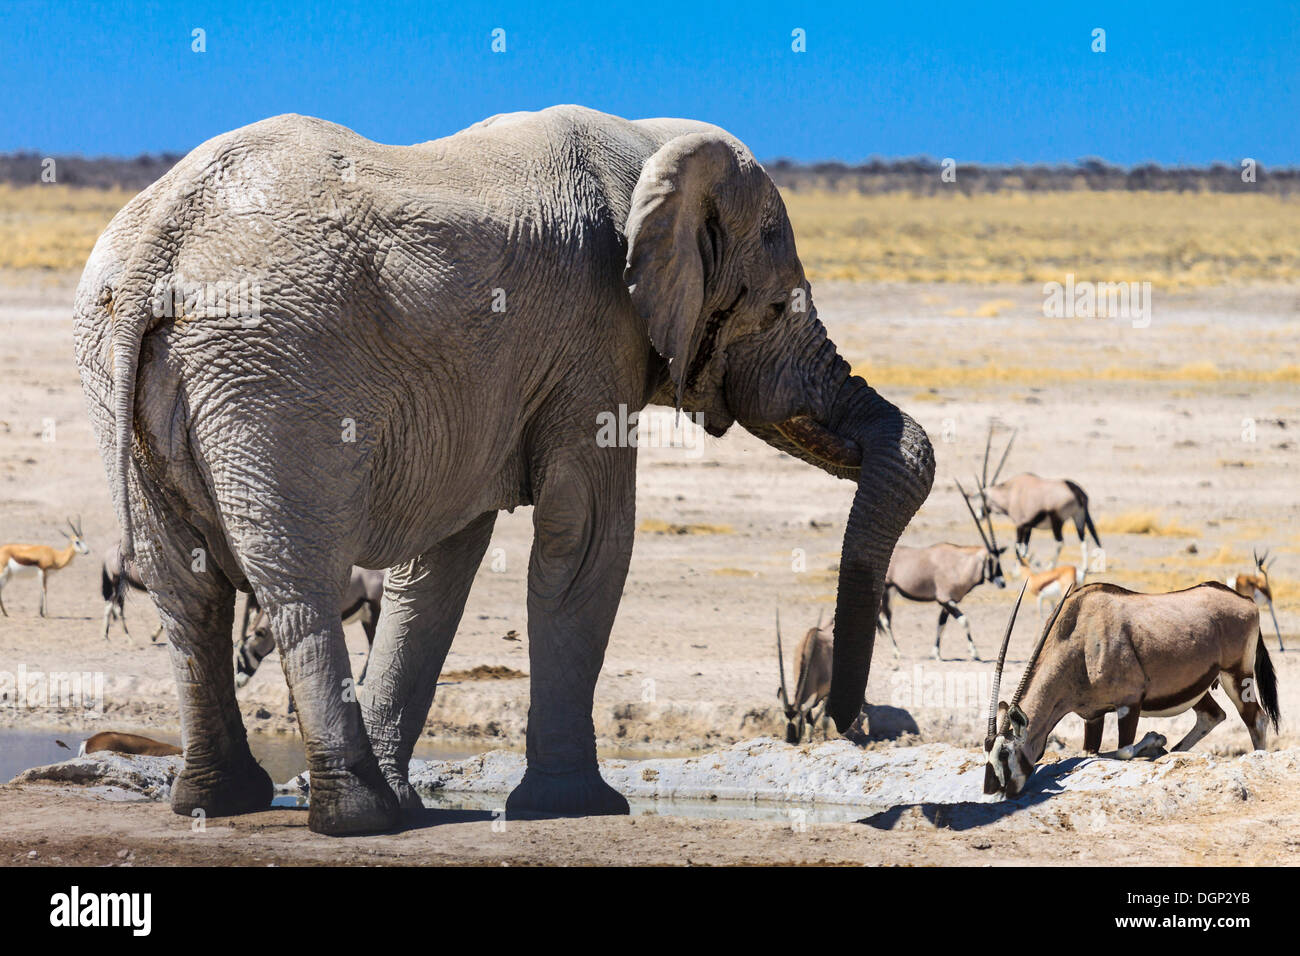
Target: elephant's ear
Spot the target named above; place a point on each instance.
(687, 216)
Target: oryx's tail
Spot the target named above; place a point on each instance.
(106, 587)
(1092, 530)
(1266, 682)
(1081, 496)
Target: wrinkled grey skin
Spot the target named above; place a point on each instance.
(639, 261)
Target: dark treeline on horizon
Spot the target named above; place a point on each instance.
(920, 176)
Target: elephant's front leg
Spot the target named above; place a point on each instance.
(423, 603)
(583, 527)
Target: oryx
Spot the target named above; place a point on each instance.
(812, 683)
(114, 580)
(943, 574)
(362, 600)
(1256, 587)
(1032, 502)
(1107, 649)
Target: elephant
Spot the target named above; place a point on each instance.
(424, 336)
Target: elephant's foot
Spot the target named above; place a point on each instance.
(352, 801)
(223, 791)
(578, 794)
(407, 798)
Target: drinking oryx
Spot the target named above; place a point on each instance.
(1107, 649)
(1032, 502)
(1257, 588)
(39, 560)
(362, 600)
(942, 574)
(812, 685)
(114, 580)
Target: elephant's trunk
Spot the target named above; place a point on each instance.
(867, 438)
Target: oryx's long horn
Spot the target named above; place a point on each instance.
(1002, 659)
(1275, 627)
(988, 446)
(780, 661)
(1038, 648)
(978, 526)
(1005, 452)
(988, 519)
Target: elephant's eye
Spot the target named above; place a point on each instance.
(774, 313)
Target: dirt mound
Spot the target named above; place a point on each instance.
(484, 672)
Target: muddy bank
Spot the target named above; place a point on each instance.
(1180, 809)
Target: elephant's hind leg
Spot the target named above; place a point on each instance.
(196, 604)
(583, 527)
(422, 607)
(348, 792)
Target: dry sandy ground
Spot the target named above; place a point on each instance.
(730, 530)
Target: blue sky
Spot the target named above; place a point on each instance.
(1188, 82)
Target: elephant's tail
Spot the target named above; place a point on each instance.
(130, 307)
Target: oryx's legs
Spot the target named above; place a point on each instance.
(42, 576)
(961, 619)
(1022, 540)
(1128, 717)
(1252, 715)
(885, 622)
(1208, 716)
(1083, 544)
(943, 619)
(1057, 525)
(1092, 734)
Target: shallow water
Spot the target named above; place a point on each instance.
(281, 755)
(283, 758)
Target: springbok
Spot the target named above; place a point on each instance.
(942, 574)
(1032, 502)
(812, 684)
(128, 744)
(114, 579)
(362, 601)
(1107, 649)
(40, 560)
(1050, 585)
(1257, 588)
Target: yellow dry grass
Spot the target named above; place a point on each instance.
(1143, 522)
(657, 526)
(952, 376)
(1172, 240)
(53, 227)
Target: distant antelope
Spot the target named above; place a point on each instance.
(943, 574)
(1050, 585)
(40, 560)
(1256, 587)
(1107, 649)
(114, 579)
(128, 744)
(812, 684)
(1032, 502)
(362, 601)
